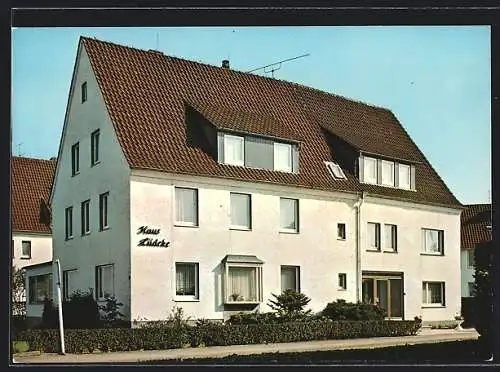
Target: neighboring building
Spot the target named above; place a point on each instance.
(476, 229)
(183, 183)
(31, 234)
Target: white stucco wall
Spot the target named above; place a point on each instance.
(410, 219)
(41, 249)
(315, 249)
(467, 273)
(111, 174)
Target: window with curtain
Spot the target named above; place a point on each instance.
(241, 210)
(234, 150)
(433, 293)
(432, 241)
(370, 170)
(289, 214)
(242, 284)
(40, 287)
(290, 278)
(342, 281)
(282, 157)
(390, 237)
(404, 180)
(373, 235)
(186, 279)
(387, 173)
(68, 283)
(26, 249)
(104, 281)
(186, 206)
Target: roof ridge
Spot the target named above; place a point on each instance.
(171, 56)
(31, 158)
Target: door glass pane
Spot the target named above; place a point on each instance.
(368, 291)
(396, 298)
(382, 294)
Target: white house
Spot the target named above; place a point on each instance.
(180, 183)
(475, 229)
(31, 234)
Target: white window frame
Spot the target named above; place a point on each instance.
(24, 255)
(391, 244)
(296, 270)
(103, 211)
(237, 141)
(234, 226)
(440, 242)
(339, 235)
(404, 186)
(377, 237)
(67, 274)
(366, 179)
(385, 182)
(470, 253)
(68, 218)
(286, 148)
(33, 282)
(196, 296)
(178, 221)
(75, 159)
(98, 284)
(335, 170)
(296, 216)
(425, 291)
(342, 282)
(95, 139)
(258, 283)
(85, 217)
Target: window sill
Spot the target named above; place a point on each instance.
(187, 299)
(387, 251)
(388, 186)
(69, 238)
(342, 289)
(288, 231)
(437, 306)
(432, 254)
(96, 163)
(75, 174)
(182, 224)
(86, 234)
(373, 250)
(104, 228)
(25, 257)
(341, 239)
(242, 302)
(240, 228)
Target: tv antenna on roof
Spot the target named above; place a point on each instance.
(19, 149)
(277, 65)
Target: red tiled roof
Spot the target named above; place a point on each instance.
(31, 182)
(474, 220)
(146, 94)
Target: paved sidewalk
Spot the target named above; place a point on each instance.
(425, 336)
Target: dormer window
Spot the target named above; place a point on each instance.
(282, 157)
(386, 173)
(335, 170)
(234, 150)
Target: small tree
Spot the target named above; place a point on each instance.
(290, 304)
(112, 314)
(18, 292)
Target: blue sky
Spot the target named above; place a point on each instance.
(435, 79)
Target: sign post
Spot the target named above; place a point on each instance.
(59, 301)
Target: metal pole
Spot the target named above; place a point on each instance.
(59, 301)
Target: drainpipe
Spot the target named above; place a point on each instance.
(357, 206)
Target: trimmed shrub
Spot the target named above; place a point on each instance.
(81, 311)
(129, 339)
(342, 310)
(50, 317)
(253, 318)
(290, 304)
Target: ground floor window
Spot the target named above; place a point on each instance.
(242, 279)
(68, 283)
(290, 278)
(384, 290)
(186, 280)
(40, 287)
(104, 281)
(433, 293)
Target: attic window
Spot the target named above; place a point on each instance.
(84, 92)
(335, 170)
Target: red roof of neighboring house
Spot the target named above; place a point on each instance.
(474, 221)
(146, 94)
(31, 182)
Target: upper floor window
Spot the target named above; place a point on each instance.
(404, 176)
(234, 150)
(241, 211)
(94, 147)
(282, 157)
(103, 211)
(335, 170)
(85, 217)
(75, 159)
(69, 222)
(391, 238)
(84, 92)
(370, 170)
(432, 241)
(387, 173)
(26, 249)
(186, 206)
(289, 215)
(374, 236)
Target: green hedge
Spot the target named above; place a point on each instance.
(128, 339)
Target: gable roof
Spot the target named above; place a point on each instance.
(146, 94)
(30, 185)
(474, 221)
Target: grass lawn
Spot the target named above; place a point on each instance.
(455, 352)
